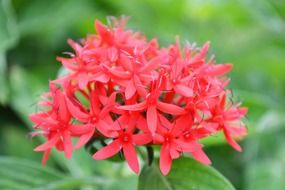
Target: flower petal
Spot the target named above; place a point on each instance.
(141, 139)
(83, 80)
(181, 124)
(84, 139)
(130, 90)
(104, 32)
(134, 107)
(76, 111)
(106, 129)
(100, 77)
(151, 116)
(183, 90)
(201, 156)
(80, 129)
(120, 74)
(231, 141)
(63, 112)
(46, 156)
(174, 154)
(131, 156)
(142, 124)
(43, 119)
(48, 144)
(67, 144)
(125, 62)
(94, 102)
(199, 58)
(165, 122)
(75, 46)
(165, 161)
(218, 70)
(170, 108)
(153, 63)
(112, 54)
(68, 63)
(139, 86)
(108, 151)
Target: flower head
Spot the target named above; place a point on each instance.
(128, 92)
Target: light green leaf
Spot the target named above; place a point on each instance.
(185, 174)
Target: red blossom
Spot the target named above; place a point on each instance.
(125, 139)
(126, 90)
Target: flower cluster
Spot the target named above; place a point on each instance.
(130, 92)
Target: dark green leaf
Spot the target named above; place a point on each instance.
(186, 174)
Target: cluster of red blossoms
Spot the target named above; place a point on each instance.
(130, 92)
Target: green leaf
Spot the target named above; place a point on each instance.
(21, 174)
(25, 174)
(185, 174)
(8, 33)
(8, 38)
(265, 154)
(3, 79)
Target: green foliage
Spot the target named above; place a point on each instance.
(186, 174)
(22, 174)
(8, 38)
(266, 152)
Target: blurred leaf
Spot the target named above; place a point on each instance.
(3, 80)
(229, 162)
(8, 29)
(264, 175)
(215, 139)
(185, 174)
(265, 153)
(49, 23)
(270, 121)
(8, 38)
(25, 174)
(124, 183)
(266, 15)
(20, 174)
(25, 92)
(12, 136)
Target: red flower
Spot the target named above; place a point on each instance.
(125, 139)
(92, 118)
(151, 104)
(128, 91)
(55, 124)
(228, 120)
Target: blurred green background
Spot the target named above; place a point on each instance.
(248, 33)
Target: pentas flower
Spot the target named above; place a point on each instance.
(55, 124)
(127, 92)
(125, 139)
